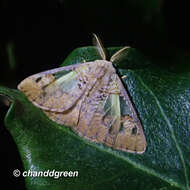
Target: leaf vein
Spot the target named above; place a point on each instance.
(172, 132)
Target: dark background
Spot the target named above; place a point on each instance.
(38, 35)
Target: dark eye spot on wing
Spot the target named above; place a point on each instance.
(38, 79)
(79, 86)
(121, 128)
(44, 93)
(134, 130)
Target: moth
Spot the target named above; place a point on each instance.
(91, 99)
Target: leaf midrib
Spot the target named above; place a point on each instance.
(171, 130)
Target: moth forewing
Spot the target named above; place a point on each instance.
(131, 137)
(55, 90)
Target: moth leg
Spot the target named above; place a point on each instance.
(124, 76)
(83, 60)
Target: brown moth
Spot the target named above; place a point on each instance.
(91, 99)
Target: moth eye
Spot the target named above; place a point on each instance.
(134, 131)
(38, 79)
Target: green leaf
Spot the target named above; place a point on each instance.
(162, 101)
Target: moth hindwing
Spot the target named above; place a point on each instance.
(89, 98)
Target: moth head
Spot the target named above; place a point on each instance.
(104, 66)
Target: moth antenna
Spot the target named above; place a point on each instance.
(124, 76)
(98, 44)
(119, 54)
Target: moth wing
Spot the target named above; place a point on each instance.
(131, 137)
(57, 89)
(99, 120)
(97, 114)
(111, 119)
